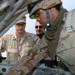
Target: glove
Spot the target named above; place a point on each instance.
(55, 62)
(49, 63)
(2, 58)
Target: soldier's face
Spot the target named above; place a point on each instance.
(20, 28)
(39, 28)
(42, 18)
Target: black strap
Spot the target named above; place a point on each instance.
(47, 63)
(48, 17)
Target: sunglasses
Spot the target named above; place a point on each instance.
(37, 13)
(39, 27)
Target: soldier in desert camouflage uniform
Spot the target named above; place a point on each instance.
(19, 43)
(60, 29)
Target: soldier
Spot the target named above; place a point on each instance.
(18, 44)
(40, 32)
(60, 31)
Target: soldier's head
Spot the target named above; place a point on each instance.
(37, 9)
(39, 28)
(20, 25)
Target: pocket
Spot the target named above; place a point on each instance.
(12, 50)
(12, 54)
(66, 41)
(25, 50)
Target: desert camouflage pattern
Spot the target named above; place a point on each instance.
(66, 45)
(17, 48)
(44, 4)
(27, 63)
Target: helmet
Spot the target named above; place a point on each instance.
(41, 4)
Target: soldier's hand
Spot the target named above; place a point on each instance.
(49, 63)
(2, 58)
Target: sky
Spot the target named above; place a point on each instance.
(68, 4)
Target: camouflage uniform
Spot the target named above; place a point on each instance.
(27, 63)
(66, 44)
(36, 54)
(63, 41)
(17, 48)
(65, 49)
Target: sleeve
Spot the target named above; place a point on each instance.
(2, 44)
(27, 63)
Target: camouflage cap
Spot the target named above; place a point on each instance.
(22, 20)
(41, 4)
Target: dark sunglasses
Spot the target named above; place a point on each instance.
(39, 27)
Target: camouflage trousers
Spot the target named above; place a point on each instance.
(43, 70)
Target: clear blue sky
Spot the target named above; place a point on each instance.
(68, 4)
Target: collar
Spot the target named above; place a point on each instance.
(40, 35)
(15, 37)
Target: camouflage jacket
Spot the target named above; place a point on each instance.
(17, 48)
(27, 63)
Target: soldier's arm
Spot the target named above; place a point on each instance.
(2, 44)
(26, 64)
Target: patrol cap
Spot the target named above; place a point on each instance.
(21, 21)
(41, 4)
